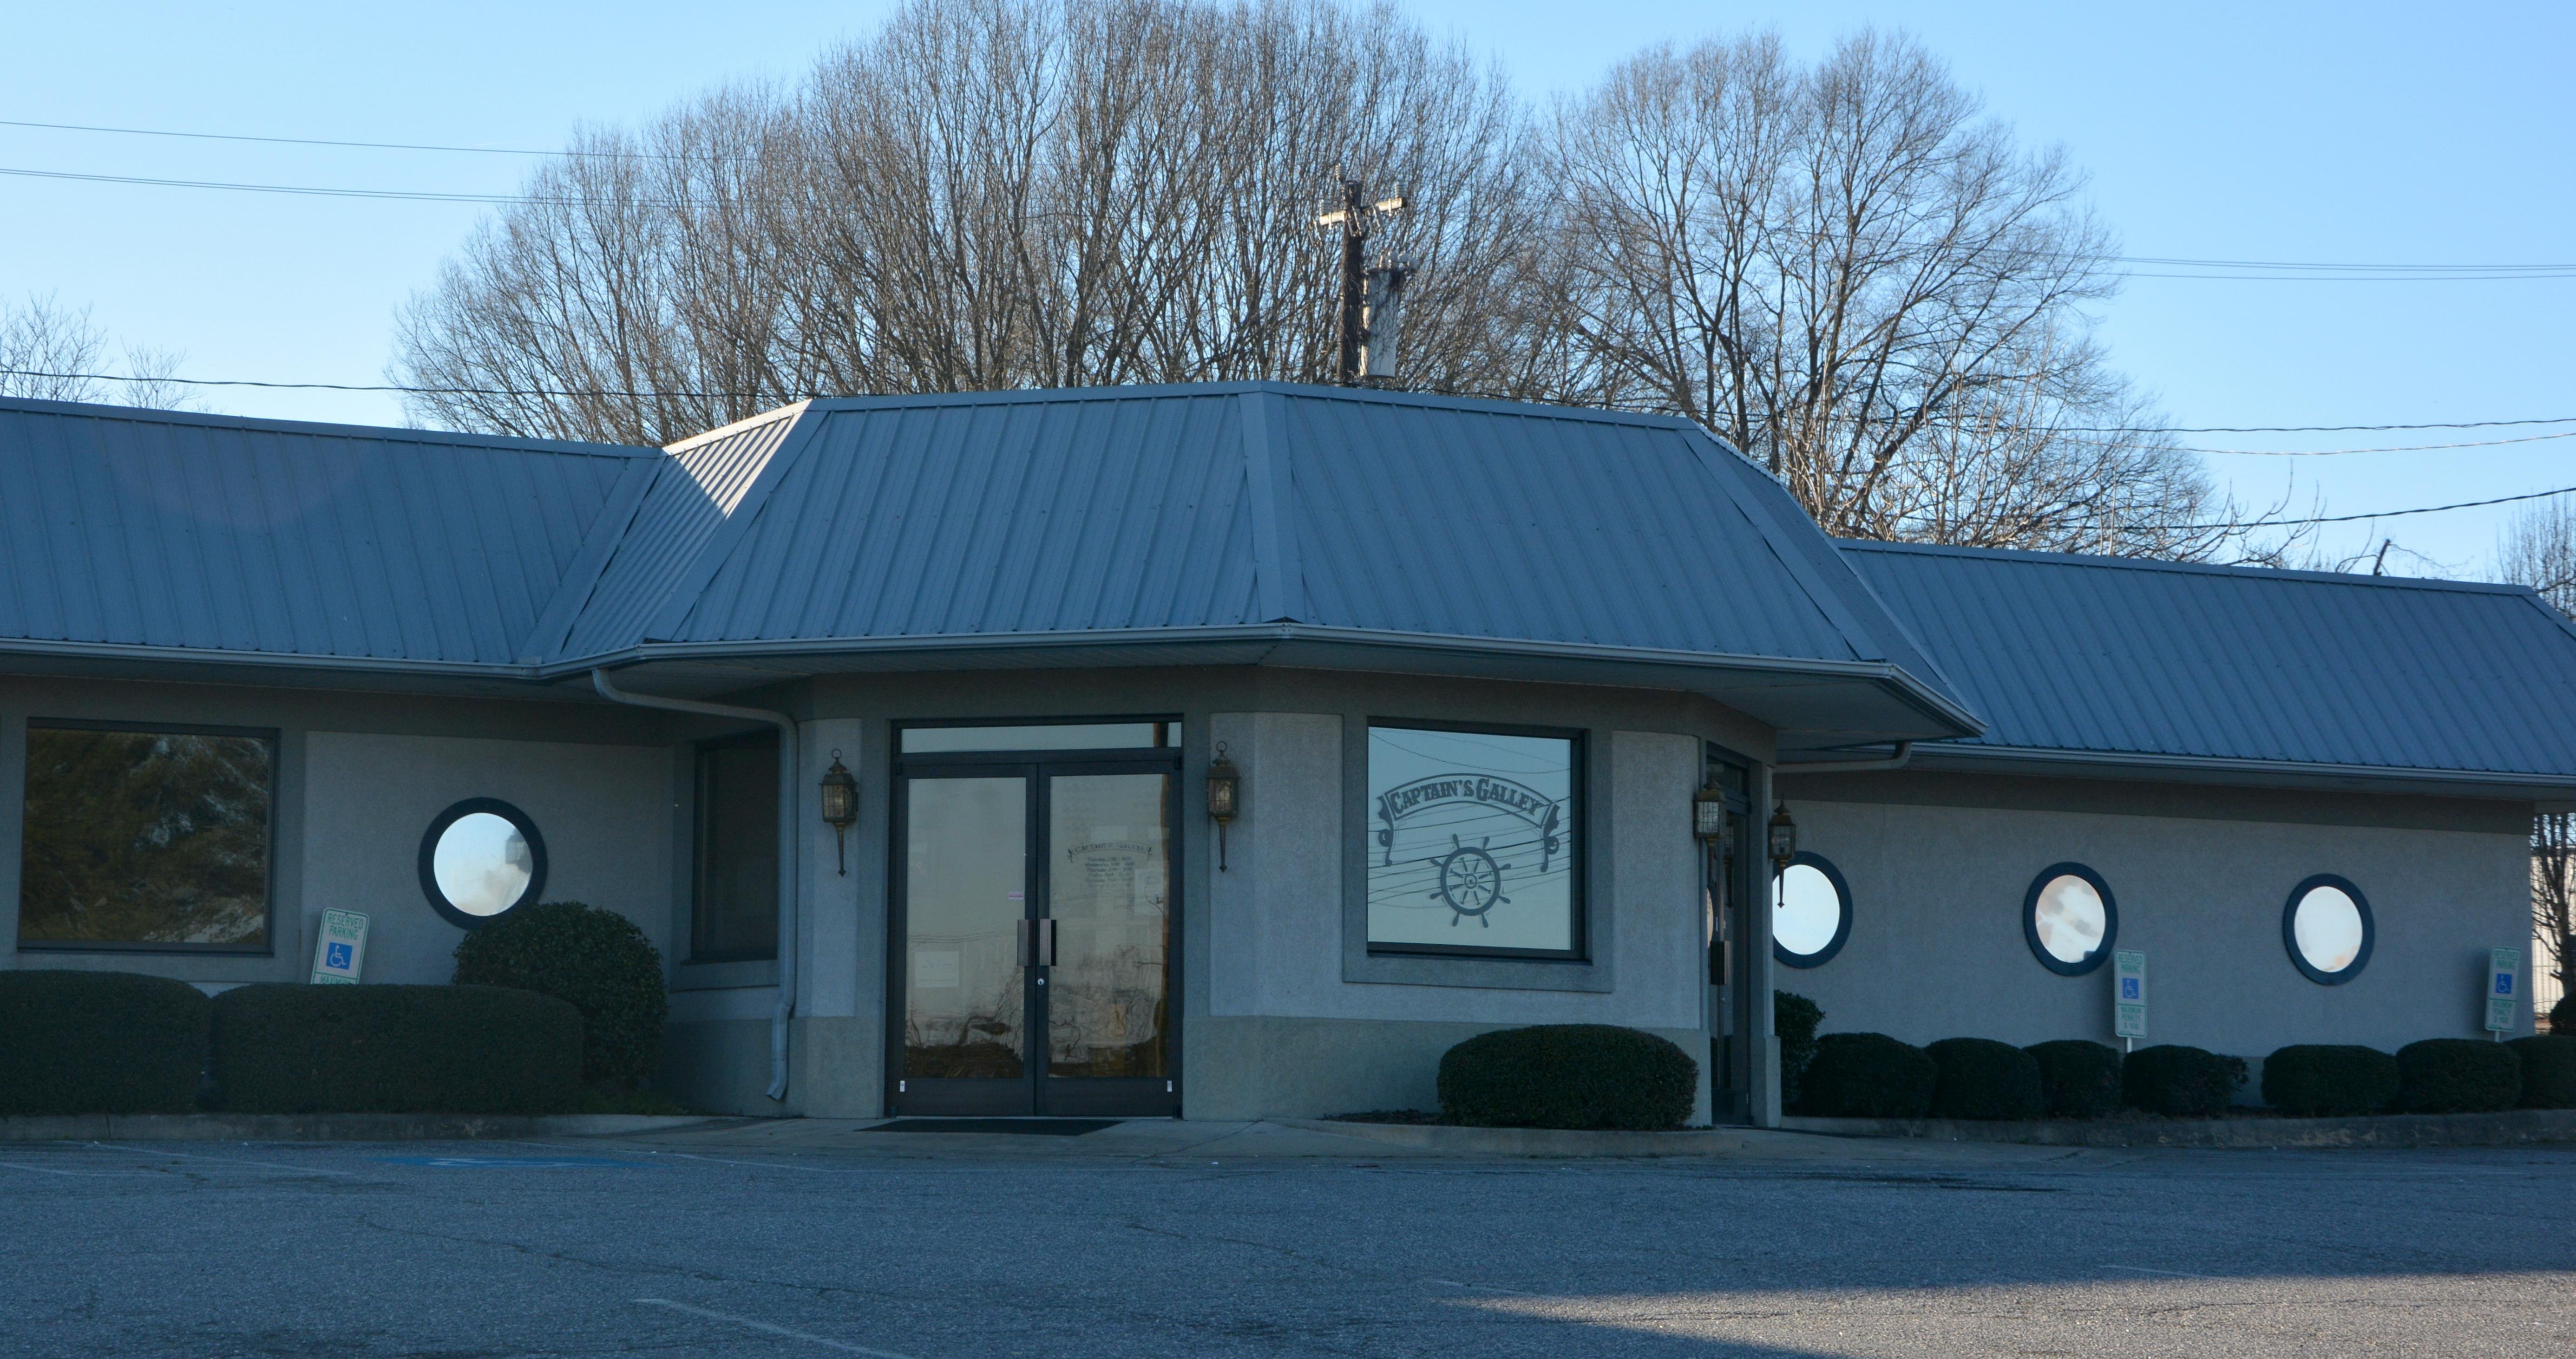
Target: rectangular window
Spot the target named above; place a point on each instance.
(1036, 736)
(734, 911)
(146, 839)
(1474, 842)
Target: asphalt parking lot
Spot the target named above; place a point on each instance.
(741, 1243)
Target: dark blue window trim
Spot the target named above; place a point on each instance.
(2290, 932)
(429, 860)
(2030, 920)
(1842, 927)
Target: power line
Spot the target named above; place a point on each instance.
(2340, 452)
(2346, 518)
(319, 141)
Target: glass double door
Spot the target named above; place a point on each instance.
(1035, 918)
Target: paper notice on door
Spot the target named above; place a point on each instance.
(934, 969)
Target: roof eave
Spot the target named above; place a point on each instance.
(2029, 760)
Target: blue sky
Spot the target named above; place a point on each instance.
(2336, 133)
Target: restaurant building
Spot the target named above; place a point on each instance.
(1226, 751)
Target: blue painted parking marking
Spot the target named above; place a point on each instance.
(513, 1162)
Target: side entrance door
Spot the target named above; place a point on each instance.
(1034, 904)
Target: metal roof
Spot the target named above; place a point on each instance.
(1340, 524)
(195, 534)
(2141, 661)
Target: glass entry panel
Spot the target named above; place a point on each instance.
(1109, 894)
(1036, 909)
(966, 888)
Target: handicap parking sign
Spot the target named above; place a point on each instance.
(2504, 1004)
(2128, 988)
(341, 950)
(2504, 983)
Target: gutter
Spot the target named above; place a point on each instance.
(788, 753)
(1904, 752)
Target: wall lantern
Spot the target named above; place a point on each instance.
(840, 807)
(1708, 815)
(1784, 839)
(1224, 787)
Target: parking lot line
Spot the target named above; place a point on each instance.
(771, 1327)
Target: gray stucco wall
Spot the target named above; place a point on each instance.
(2200, 878)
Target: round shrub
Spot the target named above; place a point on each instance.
(1567, 1076)
(99, 1043)
(2078, 1078)
(1981, 1078)
(1869, 1075)
(1795, 1019)
(596, 959)
(2329, 1079)
(281, 1048)
(2548, 1070)
(2458, 1076)
(2562, 1016)
(2182, 1082)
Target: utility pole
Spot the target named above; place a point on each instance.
(1369, 297)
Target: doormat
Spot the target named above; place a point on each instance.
(1042, 1127)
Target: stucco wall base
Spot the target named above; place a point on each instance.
(721, 1066)
(1269, 1067)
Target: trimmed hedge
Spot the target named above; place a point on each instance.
(2458, 1076)
(1567, 1076)
(1869, 1075)
(1795, 1019)
(2184, 1082)
(2329, 1079)
(596, 959)
(287, 1049)
(1981, 1078)
(2548, 1070)
(100, 1043)
(2078, 1078)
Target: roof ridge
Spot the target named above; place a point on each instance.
(99, 410)
(1297, 390)
(2238, 571)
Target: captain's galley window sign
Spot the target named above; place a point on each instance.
(1472, 842)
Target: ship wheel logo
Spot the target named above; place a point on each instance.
(1471, 883)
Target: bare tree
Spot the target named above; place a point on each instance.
(52, 353)
(1851, 275)
(2539, 550)
(990, 194)
(46, 350)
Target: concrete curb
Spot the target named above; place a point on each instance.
(2513, 1128)
(1546, 1142)
(329, 1127)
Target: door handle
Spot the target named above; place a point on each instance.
(1037, 943)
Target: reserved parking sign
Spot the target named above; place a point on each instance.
(2128, 993)
(2504, 989)
(342, 949)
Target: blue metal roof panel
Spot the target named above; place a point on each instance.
(152, 528)
(701, 483)
(2117, 656)
(906, 520)
(1145, 508)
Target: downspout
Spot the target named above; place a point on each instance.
(1904, 752)
(788, 755)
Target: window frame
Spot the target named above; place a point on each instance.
(266, 948)
(428, 863)
(698, 837)
(2110, 920)
(1780, 953)
(2290, 930)
(1578, 857)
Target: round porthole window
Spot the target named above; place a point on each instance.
(480, 860)
(2327, 928)
(1811, 913)
(2069, 919)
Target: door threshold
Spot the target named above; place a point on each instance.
(1038, 1127)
